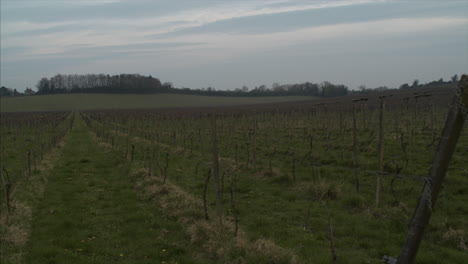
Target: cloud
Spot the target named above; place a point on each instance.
(217, 45)
(46, 3)
(57, 36)
(221, 46)
(186, 18)
(203, 16)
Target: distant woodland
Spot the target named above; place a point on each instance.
(139, 84)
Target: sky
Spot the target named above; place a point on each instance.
(227, 44)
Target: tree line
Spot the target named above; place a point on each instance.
(324, 89)
(99, 83)
(362, 89)
(139, 84)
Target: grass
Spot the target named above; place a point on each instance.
(90, 213)
(68, 102)
(91, 206)
(210, 241)
(27, 193)
(38, 135)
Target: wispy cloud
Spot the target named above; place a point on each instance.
(187, 18)
(115, 32)
(200, 17)
(45, 3)
(219, 46)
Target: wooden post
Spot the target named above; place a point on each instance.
(7, 186)
(215, 167)
(233, 207)
(151, 163)
(355, 149)
(312, 163)
(254, 143)
(330, 234)
(379, 174)
(440, 163)
(205, 188)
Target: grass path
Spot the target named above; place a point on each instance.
(90, 213)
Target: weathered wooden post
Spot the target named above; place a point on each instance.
(205, 188)
(7, 184)
(440, 163)
(151, 159)
(215, 167)
(355, 149)
(380, 149)
(330, 234)
(254, 143)
(233, 207)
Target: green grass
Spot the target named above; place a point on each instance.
(96, 208)
(128, 101)
(90, 213)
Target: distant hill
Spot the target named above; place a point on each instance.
(61, 102)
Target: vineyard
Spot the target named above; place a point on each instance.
(333, 180)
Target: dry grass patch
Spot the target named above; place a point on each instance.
(215, 242)
(15, 234)
(459, 238)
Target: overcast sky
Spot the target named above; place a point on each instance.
(227, 44)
